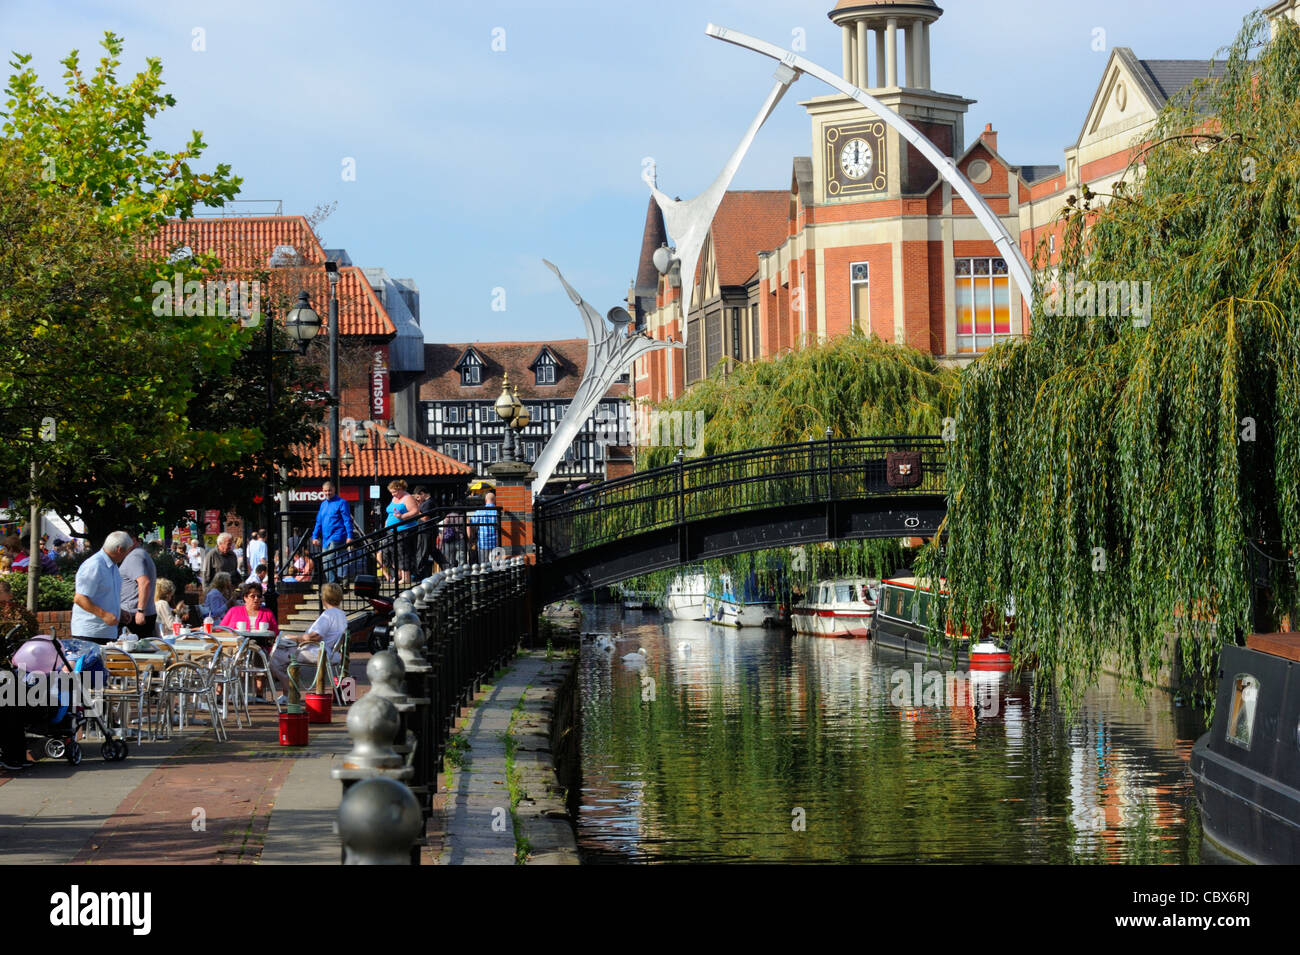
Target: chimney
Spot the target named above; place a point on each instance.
(989, 138)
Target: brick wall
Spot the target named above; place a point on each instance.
(516, 503)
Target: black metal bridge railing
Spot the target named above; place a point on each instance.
(692, 490)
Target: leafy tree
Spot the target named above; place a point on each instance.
(138, 399)
(1117, 477)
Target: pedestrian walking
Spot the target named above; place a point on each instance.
(139, 577)
(333, 532)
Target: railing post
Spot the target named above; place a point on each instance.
(409, 641)
(372, 724)
(830, 468)
(379, 823)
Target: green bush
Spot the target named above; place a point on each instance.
(53, 592)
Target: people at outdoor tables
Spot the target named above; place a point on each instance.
(327, 631)
(250, 612)
(220, 559)
(168, 608)
(97, 603)
(219, 598)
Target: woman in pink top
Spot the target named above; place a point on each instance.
(252, 614)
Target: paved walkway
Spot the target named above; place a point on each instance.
(191, 800)
(478, 825)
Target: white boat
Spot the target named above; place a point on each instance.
(843, 607)
(688, 597)
(746, 607)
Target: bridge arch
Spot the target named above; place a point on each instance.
(785, 495)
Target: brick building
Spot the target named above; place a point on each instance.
(867, 236)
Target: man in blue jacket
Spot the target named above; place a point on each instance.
(333, 529)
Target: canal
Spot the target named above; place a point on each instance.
(760, 746)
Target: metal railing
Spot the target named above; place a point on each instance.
(451, 633)
(690, 490)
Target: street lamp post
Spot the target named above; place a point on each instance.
(515, 415)
(332, 270)
(302, 323)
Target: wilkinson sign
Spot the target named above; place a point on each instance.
(379, 401)
(312, 495)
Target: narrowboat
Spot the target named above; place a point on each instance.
(902, 620)
(1246, 769)
(688, 597)
(746, 606)
(843, 607)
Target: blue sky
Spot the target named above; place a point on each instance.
(474, 164)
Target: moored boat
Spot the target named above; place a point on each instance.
(688, 597)
(747, 606)
(1246, 769)
(904, 620)
(843, 607)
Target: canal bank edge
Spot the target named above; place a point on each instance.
(513, 737)
(545, 762)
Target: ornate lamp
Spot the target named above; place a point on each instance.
(302, 323)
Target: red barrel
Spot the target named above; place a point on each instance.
(293, 729)
(319, 706)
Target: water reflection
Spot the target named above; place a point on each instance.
(751, 745)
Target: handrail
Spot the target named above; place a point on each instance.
(805, 472)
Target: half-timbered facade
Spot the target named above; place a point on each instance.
(459, 419)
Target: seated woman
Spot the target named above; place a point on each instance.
(329, 629)
(252, 614)
(169, 608)
(219, 598)
(303, 567)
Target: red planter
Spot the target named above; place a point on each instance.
(293, 729)
(319, 706)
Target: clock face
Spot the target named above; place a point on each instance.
(856, 158)
(854, 162)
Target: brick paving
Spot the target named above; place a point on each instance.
(189, 800)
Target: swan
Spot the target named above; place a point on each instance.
(635, 659)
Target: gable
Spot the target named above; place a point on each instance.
(469, 357)
(1124, 100)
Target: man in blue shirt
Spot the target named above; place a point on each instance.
(333, 529)
(483, 524)
(96, 610)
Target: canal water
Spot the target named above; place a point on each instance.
(761, 746)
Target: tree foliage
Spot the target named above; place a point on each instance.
(148, 410)
(1109, 474)
(855, 386)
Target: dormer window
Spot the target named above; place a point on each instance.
(545, 367)
(471, 368)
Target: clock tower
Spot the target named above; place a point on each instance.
(856, 156)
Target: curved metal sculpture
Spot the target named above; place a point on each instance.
(688, 220)
(610, 349)
(946, 167)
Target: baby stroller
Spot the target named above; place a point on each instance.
(52, 729)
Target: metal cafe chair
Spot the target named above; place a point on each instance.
(124, 688)
(182, 681)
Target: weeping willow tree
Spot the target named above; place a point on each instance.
(1118, 472)
(853, 385)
